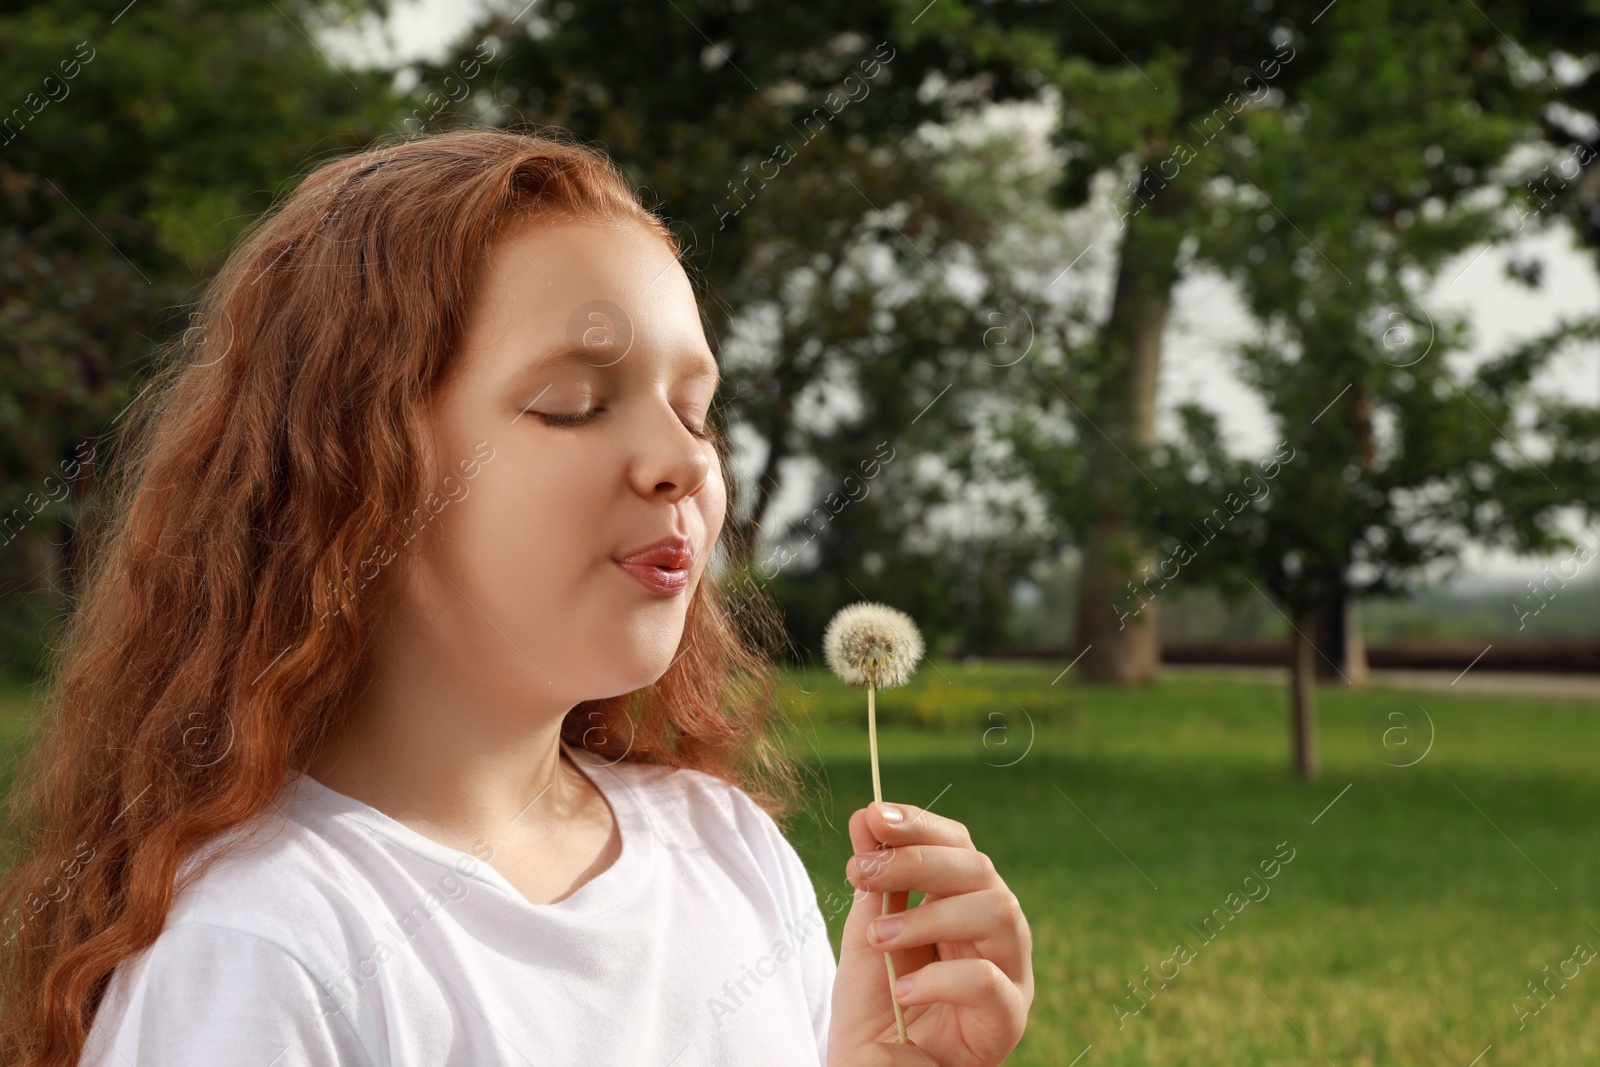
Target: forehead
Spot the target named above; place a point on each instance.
(548, 278)
(554, 287)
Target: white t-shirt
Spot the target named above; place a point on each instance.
(340, 936)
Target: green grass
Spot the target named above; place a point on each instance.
(1403, 931)
(16, 717)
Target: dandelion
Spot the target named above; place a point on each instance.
(877, 646)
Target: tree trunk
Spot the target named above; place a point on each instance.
(1116, 624)
(1303, 696)
(1343, 655)
(1355, 645)
(1117, 589)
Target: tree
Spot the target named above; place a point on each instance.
(1151, 95)
(1391, 459)
(143, 139)
(1559, 40)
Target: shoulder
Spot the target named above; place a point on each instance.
(280, 880)
(238, 972)
(204, 994)
(693, 810)
(245, 960)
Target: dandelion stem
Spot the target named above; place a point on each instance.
(877, 795)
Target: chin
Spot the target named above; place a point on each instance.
(635, 665)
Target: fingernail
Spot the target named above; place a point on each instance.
(891, 814)
(902, 988)
(885, 928)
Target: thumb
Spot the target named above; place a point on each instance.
(863, 1009)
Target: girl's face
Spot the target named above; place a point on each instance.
(570, 435)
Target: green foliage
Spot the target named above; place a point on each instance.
(1356, 200)
(860, 255)
(1163, 100)
(943, 696)
(180, 125)
(141, 138)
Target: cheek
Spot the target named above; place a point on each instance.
(527, 522)
(712, 502)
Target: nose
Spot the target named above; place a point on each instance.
(669, 462)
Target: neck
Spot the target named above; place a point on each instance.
(461, 755)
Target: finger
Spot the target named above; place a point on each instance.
(969, 983)
(993, 1011)
(991, 919)
(866, 907)
(872, 824)
(940, 870)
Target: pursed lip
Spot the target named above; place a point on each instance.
(673, 553)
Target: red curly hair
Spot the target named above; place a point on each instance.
(214, 642)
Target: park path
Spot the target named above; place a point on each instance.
(1512, 684)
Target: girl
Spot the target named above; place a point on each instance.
(400, 719)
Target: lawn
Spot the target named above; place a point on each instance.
(1405, 927)
(16, 717)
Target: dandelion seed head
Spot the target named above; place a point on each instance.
(868, 643)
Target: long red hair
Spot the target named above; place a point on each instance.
(216, 635)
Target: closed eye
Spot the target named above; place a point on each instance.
(585, 417)
(568, 420)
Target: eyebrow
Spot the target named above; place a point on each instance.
(567, 354)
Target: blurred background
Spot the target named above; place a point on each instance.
(1218, 385)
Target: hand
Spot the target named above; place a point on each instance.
(966, 947)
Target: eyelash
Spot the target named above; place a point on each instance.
(568, 420)
(591, 415)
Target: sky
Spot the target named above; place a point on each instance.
(1207, 316)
